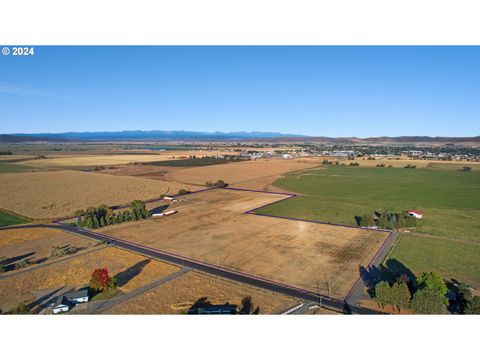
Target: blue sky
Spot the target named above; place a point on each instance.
(323, 91)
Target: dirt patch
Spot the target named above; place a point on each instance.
(211, 226)
(178, 295)
(61, 193)
(131, 269)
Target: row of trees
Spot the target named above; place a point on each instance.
(103, 215)
(387, 220)
(218, 183)
(424, 295)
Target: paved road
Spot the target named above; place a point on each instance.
(357, 292)
(327, 302)
(98, 307)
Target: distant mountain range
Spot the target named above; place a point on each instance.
(158, 135)
(154, 135)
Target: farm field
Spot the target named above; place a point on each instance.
(7, 219)
(198, 161)
(99, 160)
(449, 257)
(60, 193)
(211, 226)
(248, 174)
(178, 295)
(10, 167)
(34, 245)
(450, 201)
(420, 164)
(132, 271)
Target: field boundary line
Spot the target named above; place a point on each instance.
(248, 212)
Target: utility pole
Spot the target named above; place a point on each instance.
(319, 297)
(328, 283)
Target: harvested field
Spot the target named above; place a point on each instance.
(144, 171)
(211, 226)
(70, 161)
(178, 295)
(132, 271)
(251, 174)
(61, 193)
(34, 245)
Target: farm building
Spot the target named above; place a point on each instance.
(65, 301)
(415, 213)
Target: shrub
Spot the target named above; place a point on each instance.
(2, 269)
(21, 264)
(183, 192)
(21, 309)
(473, 306)
(56, 251)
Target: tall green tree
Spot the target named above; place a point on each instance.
(428, 301)
(400, 295)
(382, 293)
(432, 281)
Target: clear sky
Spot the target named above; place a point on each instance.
(322, 91)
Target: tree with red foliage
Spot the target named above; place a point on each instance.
(100, 279)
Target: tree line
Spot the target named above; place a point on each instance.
(218, 183)
(97, 217)
(386, 220)
(425, 294)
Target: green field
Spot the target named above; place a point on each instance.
(450, 258)
(7, 167)
(205, 161)
(10, 219)
(449, 200)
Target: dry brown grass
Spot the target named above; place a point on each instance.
(35, 245)
(77, 272)
(211, 226)
(178, 295)
(61, 193)
(242, 174)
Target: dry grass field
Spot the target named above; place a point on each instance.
(43, 195)
(254, 174)
(106, 160)
(132, 271)
(34, 245)
(178, 295)
(212, 227)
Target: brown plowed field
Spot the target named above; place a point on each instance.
(178, 295)
(99, 160)
(211, 226)
(254, 174)
(43, 195)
